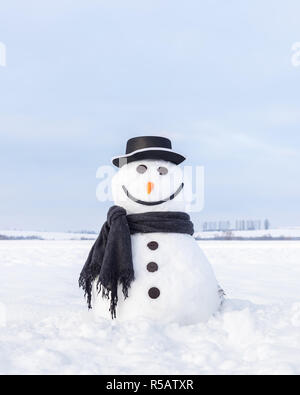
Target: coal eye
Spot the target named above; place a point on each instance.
(162, 171)
(141, 169)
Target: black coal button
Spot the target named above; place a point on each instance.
(153, 245)
(154, 293)
(152, 267)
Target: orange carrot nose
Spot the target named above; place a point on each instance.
(150, 187)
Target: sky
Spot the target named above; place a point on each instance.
(82, 77)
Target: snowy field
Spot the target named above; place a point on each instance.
(280, 232)
(48, 330)
(47, 235)
(275, 233)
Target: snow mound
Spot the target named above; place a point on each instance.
(243, 339)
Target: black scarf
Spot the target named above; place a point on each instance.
(110, 258)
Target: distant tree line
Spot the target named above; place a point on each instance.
(224, 226)
(4, 237)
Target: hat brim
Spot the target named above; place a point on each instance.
(153, 153)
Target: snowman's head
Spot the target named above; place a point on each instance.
(149, 185)
(149, 178)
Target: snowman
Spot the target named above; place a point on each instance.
(145, 262)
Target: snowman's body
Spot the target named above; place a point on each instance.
(174, 281)
(183, 276)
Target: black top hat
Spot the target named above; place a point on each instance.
(148, 147)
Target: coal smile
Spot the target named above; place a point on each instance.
(173, 196)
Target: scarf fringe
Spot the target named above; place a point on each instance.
(87, 285)
(107, 294)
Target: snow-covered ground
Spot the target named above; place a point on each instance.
(48, 330)
(280, 232)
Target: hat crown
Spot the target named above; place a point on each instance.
(143, 142)
(148, 147)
